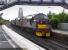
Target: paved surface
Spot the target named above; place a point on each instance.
(3, 41)
(60, 31)
(6, 42)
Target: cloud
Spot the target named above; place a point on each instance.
(12, 13)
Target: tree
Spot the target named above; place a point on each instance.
(65, 19)
(54, 22)
(55, 19)
(50, 15)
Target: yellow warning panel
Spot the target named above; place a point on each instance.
(38, 34)
(42, 26)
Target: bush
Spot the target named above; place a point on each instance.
(65, 19)
(55, 19)
(54, 22)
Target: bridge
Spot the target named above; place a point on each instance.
(9, 3)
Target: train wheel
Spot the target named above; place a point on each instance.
(48, 34)
(38, 34)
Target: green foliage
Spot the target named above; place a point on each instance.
(65, 19)
(54, 22)
(3, 21)
(55, 19)
(49, 15)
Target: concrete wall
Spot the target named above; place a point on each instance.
(63, 26)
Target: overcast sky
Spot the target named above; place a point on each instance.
(12, 12)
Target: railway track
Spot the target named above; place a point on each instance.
(48, 44)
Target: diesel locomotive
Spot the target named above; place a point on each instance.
(39, 23)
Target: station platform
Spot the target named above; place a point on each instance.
(60, 36)
(5, 41)
(60, 31)
(21, 41)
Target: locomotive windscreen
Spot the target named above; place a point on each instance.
(40, 16)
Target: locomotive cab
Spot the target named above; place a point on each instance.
(42, 25)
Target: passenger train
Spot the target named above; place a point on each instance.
(39, 23)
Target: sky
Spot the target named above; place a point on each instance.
(12, 12)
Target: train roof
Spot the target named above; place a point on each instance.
(40, 16)
(36, 15)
